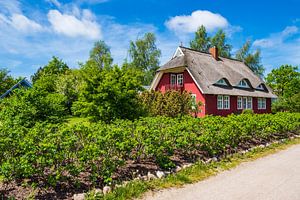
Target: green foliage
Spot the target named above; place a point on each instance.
(26, 107)
(201, 42)
(57, 153)
(252, 60)
(100, 55)
(54, 68)
(145, 56)
(219, 40)
(109, 93)
(69, 85)
(171, 103)
(285, 82)
(6, 81)
(247, 111)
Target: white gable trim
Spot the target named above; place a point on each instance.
(156, 80)
(194, 80)
(178, 53)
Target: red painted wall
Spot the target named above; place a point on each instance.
(188, 85)
(209, 101)
(211, 106)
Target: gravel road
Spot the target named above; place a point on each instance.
(275, 177)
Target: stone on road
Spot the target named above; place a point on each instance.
(275, 177)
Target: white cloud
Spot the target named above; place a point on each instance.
(72, 26)
(190, 23)
(280, 48)
(21, 23)
(10, 6)
(277, 38)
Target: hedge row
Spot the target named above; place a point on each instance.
(56, 152)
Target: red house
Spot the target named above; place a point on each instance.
(223, 85)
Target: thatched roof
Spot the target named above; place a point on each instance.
(207, 71)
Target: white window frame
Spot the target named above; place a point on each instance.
(244, 103)
(223, 102)
(239, 103)
(243, 83)
(180, 79)
(226, 102)
(261, 103)
(171, 80)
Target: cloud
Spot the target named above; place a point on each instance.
(72, 26)
(21, 23)
(190, 23)
(11, 6)
(280, 48)
(277, 38)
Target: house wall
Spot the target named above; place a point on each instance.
(188, 85)
(209, 101)
(211, 106)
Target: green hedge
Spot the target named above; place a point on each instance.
(56, 152)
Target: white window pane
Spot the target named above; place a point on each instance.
(220, 102)
(173, 79)
(180, 79)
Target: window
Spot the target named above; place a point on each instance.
(194, 101)
(226, 103)
(180, 79)
(261, 103)
(260, 87)
(239, 103)
(243, 83)
(221, 82)
(244, 102)
(173, 79)
(223, 102)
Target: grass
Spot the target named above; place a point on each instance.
(197, 172)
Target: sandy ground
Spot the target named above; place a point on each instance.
(275, 177)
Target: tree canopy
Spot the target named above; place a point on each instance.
(144, 56)
(6, 80)
(252, 60)
(201, 41)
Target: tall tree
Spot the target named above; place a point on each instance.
(219, 40)
(252, 60)
(100, 55)
(6, 81)
(53, 68)
(285, 82)
(144, 56)
(201, 41)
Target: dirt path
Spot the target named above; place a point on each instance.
(275, 177)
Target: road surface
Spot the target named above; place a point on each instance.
(275, 177)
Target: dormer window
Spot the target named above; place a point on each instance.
(243, 83)
(222, 82)
(261, 87)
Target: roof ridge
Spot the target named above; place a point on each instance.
(204, 52)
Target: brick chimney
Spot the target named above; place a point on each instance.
(214, 52)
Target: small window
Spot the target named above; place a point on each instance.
(194, 101)
(223, 102)
(240, 103)
(244, 102)
(260, 87)
(180, 79)
(173, 79)
(243, 83)
(222, 82)
(261, 103)
(220, 102)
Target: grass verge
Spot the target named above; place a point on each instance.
(197, 172)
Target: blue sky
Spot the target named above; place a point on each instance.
(32, 31)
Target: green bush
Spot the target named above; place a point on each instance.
(172, 103)
(60, 152)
